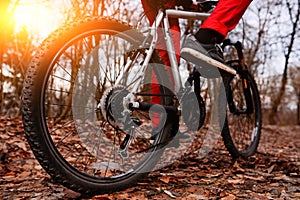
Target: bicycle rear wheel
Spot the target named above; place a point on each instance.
(73, 111)
(242, 127)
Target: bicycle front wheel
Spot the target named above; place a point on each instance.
(73, 107)
(242, 127)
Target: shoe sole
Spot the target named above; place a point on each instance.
(201, 59)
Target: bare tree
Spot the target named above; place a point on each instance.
(255, 33)
(15, 54)
(4, 36)
(294, 16)
(295, 79)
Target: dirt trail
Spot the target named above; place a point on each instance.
(273, 173)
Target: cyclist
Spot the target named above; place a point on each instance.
(204, 44)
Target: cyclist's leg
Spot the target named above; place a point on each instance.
(151, 11)
(202, 49)
(226, 16)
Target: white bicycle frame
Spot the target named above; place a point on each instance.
(172, 13)
(163, 17)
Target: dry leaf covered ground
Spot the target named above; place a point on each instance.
(273, 173)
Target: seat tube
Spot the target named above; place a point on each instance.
(172, 55)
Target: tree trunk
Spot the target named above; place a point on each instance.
(298, 110)
(4, 4)
(280, 95)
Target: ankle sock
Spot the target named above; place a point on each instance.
(208, 36)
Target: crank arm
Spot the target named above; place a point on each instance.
(147, 106)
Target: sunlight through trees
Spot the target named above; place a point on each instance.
(270, 33)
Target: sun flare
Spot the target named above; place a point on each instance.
(38, 17)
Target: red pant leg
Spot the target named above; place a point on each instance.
(226, 15)
(150, 11)
(149, 8)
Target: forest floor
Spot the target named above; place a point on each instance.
(272, 173)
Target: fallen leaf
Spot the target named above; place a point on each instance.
(237, 168)
(270, 169)
(229, 197)
(172, 194)
(206, 193)
(255, 178)
(195, 196)
(201, 174)
(214, 175)
(21, 145)
(165, 179)
(192, 189)
(24, 174)
(223, 193)
(236, 181)
(258, 178)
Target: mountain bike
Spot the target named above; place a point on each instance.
(88, 103)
